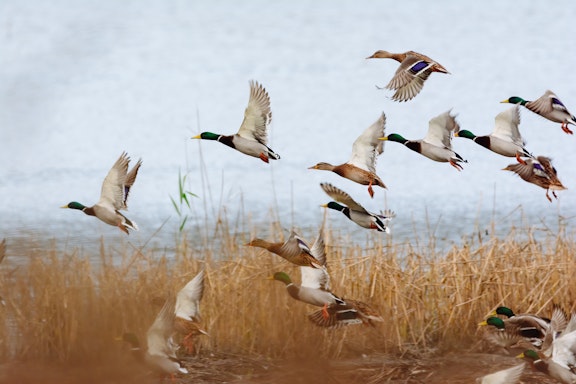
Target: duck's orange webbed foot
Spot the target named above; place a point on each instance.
(519, 159)
(565, 128)
(370, 190)
(456, 165)
(263, 157)
(325, 313)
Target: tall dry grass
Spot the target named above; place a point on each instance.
(59, 306)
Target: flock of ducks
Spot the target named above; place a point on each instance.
(182, 314)
(549, 344)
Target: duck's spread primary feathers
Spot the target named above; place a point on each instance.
(437, 145)
(114, 195)
(548, 106)
(315, 290)
(187, 311)
(252, 137)
(538, 171)
(559, 359)
(414, 70)
(361, 168)
(505, 376)
(505, 139)
(354, 211)
(295, 250)
(161, 352)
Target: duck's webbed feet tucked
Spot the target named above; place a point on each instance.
(456, 165)
(565, 128)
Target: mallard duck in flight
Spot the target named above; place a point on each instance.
(252, 137)
(294, 250)
(548, 106)
(437, 145)
(315, 290)
(161, 352)
(539, 171)
(114, 195)
(414, 70)
(505, 140)
(354, 211)
(361, 168)
(187, 311)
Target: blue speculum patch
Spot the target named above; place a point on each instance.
(556, 101)
(419, 66)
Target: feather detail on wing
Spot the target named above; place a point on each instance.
(188, 298)
(367, 146)
(257, 115)
(506, 126)
(544, 105)
(112, 193)
(440, 130)
(159, 334)
(317, 278)
(342, 197)
(130, 179)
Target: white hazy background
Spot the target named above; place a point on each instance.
(82, 81)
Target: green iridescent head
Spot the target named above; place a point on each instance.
(74, 205)
(504, 311)
(515, 100)
(283, 277)
(207, 136)
(466, 134)
(394, 137)
(531, 354)
(495, 321)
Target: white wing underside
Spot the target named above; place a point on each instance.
(317, 278)
(257, 115)
(112, 193)
(440, 130)
(367, 146)
(188, 298)
(160, 332)
(506, 126)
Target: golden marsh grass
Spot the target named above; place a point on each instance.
(62, 307)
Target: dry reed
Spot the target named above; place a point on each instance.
(59, 306)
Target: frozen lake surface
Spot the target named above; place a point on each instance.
(80, 82)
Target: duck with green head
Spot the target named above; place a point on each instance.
(548, 106)
(354, 211)
(414, 70)
(437, 144)
(315, 290)
(549, 366)
(524, 327)
(505, 140)
(161, 352)
(361, 168)
(252, 137)
(114, 195)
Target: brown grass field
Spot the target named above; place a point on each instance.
(62, 313)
